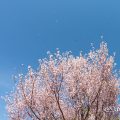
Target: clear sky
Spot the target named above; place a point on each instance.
(29, 28)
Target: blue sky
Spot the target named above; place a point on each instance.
(29, 28)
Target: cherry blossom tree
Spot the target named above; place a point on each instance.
(67, 88)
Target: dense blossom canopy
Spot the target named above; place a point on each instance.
(67, 88)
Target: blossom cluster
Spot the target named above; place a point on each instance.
(67, 88)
